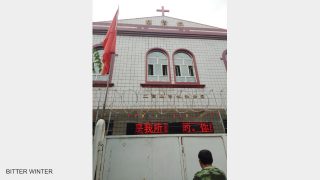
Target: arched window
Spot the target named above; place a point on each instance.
(157, 66)
(97, 63)
(224, 58)
(185, 67)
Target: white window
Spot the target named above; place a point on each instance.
(157, 66)
(184, 67)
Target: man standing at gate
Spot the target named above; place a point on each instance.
(208, 171)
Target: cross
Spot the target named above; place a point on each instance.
(162, 10)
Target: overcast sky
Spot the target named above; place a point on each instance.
(210, 12)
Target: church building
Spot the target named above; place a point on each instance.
(168, 76)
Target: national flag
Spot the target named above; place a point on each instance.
(109, 45)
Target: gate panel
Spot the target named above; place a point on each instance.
(160, 157)
(143, 158)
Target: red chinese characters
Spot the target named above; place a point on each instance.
(197, 127)
(139, 128)
(206, 127)
(149, 128)
(186, 127)
(160, 128)
(171, 128)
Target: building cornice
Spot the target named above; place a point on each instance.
(162, 31)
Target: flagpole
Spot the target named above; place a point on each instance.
(98, 109)
(107, 89)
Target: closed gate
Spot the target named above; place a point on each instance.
(158, 157)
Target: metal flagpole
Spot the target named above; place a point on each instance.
(107, 89)
(106, 95)
(98, 109)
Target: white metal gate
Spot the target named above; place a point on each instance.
(159, 157)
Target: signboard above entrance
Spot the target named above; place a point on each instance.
(169, 128)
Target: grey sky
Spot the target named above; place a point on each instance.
(210, 12)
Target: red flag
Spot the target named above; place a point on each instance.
(109, 44)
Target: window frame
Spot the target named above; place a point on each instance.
(165, 70)
(177, 69)
(168, 66)
(102, 83)
(191, 73)
(150, 71)
(194, 64)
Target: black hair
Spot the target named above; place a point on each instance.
(205, 157)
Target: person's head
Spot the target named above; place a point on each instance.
(205, 158)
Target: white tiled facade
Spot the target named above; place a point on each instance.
(128, 98)
(130, 69)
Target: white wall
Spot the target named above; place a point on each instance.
(129, 73)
